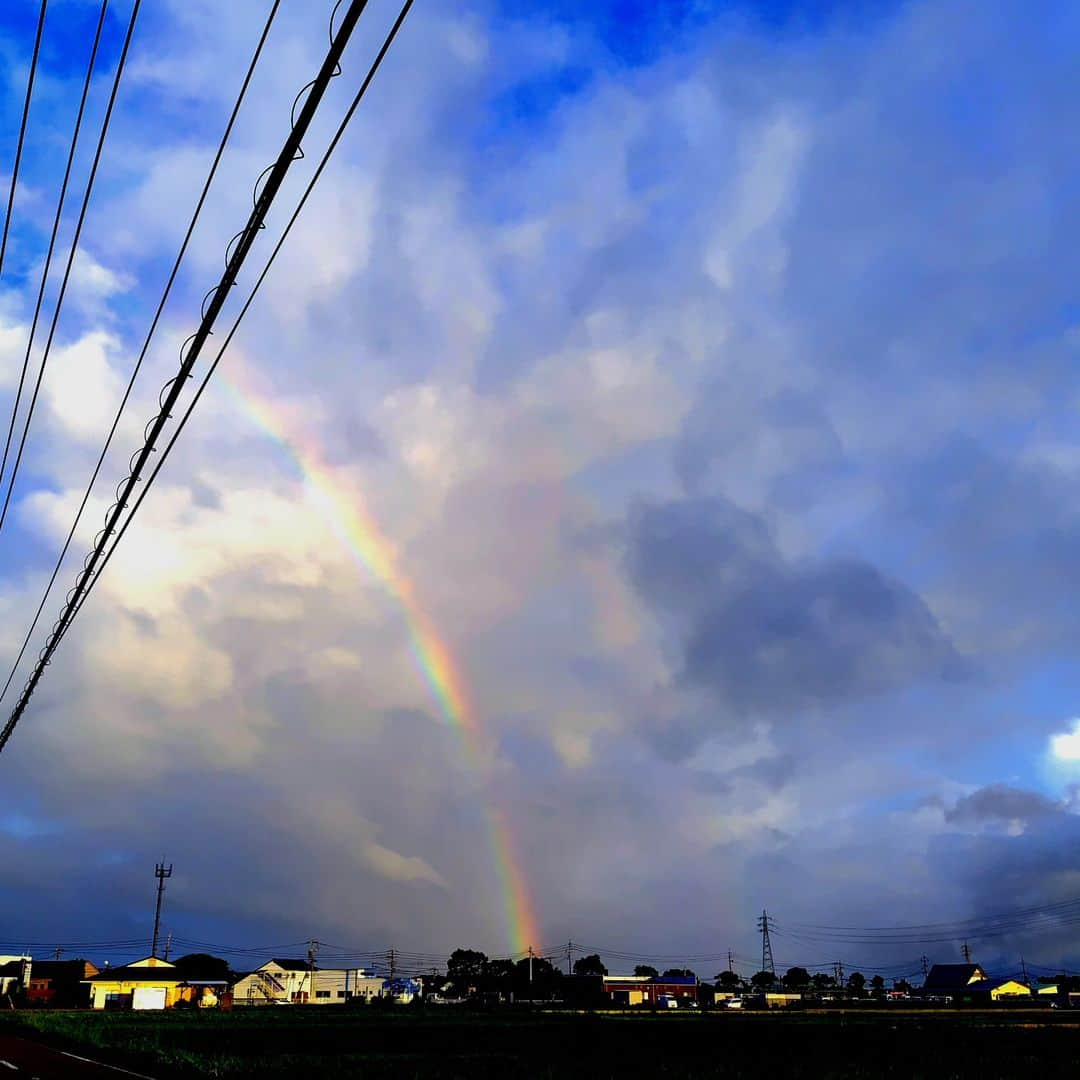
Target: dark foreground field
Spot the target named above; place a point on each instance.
(297, 1043)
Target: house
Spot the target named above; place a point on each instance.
(996, 989)
(60, 983)
(952, 978)
(286, 981)
(635, 990)
(14, 973)
(295, 982)
(150, 983)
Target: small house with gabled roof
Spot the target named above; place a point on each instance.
(952, 978)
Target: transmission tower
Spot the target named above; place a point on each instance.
(161, 872)
(925, 965)
(766, 945)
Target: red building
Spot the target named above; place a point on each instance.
(661, 990)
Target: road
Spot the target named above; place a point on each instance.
(22, 1059)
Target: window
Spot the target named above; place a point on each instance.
(322, 993)
(341, 993)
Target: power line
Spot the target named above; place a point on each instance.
(215, 300)
(74, 250)
(1012, 914)
(243, 311)
(22, 131)
(146, 343)
(53, 235)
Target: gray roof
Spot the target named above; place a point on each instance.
(292, 965)
(950, 976)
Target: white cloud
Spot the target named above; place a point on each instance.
(1065, 746)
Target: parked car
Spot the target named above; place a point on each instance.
(734, 1003)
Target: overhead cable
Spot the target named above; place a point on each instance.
(146, 343)
(74, 250)
(236, 255)
(22, 132)
(52, 238)
(243, 311)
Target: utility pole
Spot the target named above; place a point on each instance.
(312, 953)
(925, 966)
(730, 961)
(766, 945)
(569, 950)
(1023, 968)
(530, 976)
(168, 946)
(161, 872)
(838, 972)
(58, 953)
(967, 953)
(393, 962)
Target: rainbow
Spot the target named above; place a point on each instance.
(359, 533)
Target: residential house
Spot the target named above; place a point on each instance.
(951, 979)
(14, 973)
(150, 983)
(275, 982)
(60, 983)
(996, 990)
(294, 982)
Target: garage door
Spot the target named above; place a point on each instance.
(148, 997)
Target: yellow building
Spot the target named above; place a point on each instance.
(146, 984)
(999, 989)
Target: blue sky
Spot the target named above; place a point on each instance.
(708, 366)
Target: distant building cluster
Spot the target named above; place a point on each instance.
(154, 983)
(205, 982)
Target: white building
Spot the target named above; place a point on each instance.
(294, 982)
(14, 973)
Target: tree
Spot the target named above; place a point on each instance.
(465, 968)
(856, 981)
(499, 969)
(203, 966)
(822, 981)
(902, 984)
(763, 980)
(590, 965)
(678, 973)
(877, 983)
(728, 980)
(644, 971)
(795, 978)
(542, 983)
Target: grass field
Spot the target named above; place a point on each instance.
(299, 1043)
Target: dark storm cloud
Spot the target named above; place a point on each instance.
(998, 803)
(768, 634)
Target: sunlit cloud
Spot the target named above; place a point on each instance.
(1065, 747)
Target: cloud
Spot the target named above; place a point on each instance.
(768, 634)
(718, 407)
(999, 802)
(1065, 747)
